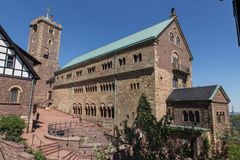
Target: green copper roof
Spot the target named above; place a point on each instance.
(141, 36)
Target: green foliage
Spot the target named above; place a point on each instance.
(233, 151)
(149, 139)
(38, 155)
(235, 119)
(27, 148)
(12, 126)
(104, 154)
(206, 147)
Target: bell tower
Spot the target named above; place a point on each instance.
(44, 43)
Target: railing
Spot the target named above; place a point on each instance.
(62, 129)
(180, 67)
(36, 137)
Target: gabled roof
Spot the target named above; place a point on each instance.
(28, 60)
(205, 93)
(139, 37)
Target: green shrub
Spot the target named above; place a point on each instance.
(12, 126)
(233, 151)
(38, 155)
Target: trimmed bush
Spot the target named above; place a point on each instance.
(38, 155)
(12, 126)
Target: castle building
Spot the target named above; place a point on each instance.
(44, 43)
(104, 85)
(17, 79)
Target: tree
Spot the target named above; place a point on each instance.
(149, 139)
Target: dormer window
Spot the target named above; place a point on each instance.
(10, 61)
(171, 36)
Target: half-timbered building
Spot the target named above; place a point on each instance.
(17, 78)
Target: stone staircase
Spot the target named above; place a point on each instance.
(53, 151)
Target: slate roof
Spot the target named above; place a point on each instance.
(205, 93)
(28, 60)
(139, 37)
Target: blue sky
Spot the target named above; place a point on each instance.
(208, 26)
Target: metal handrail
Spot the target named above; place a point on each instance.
(40, 141)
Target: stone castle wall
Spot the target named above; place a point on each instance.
(13, 151)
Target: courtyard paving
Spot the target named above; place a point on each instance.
(45, 118)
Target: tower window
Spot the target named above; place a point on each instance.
(35, 27)
(34, 39)
(46, 55)
(10, 60)
(50, 42)
(50, 31)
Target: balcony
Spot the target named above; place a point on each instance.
(178, 68)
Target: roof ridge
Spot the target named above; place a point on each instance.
(197, 87)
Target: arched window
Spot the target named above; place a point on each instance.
(104, 112)
(92, 111)
(185, 116)
(112, 112)
(109, 112)
(101, 111)
(191, 116)
(124, 60)
(175, 60)
(197, 116)
(79, 109)
(140, 56)
(178, 41)
(110, 87)
(14, 94)
(171, 36)
(75, 109)
(95, 111)
(87, 109)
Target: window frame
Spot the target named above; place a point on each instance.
(17, 96)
